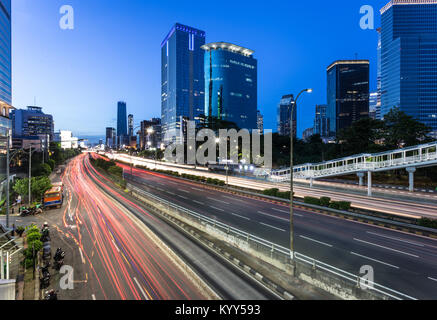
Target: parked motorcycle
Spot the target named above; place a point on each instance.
(59, 259)
(51, 295)
(45, 277)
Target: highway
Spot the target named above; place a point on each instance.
(391, 204)
(403, 262)
(120, 254)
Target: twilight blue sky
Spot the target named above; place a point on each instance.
(113, 53)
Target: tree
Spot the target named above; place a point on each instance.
(361, 137)
(42, 169)
(403, 130)
(39, 186)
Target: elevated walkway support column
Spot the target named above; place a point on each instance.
(369, 183)
(311, 183)
(411, 171)
(361, 177)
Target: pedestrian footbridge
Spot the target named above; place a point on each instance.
(408, 158)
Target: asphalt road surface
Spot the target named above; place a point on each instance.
(403, 262)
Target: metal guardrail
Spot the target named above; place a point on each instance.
(276, 250)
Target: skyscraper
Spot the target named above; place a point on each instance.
(231, 84)
(409, 59)
(321, 121)
(260, 121)
(130, 125)
(182, 79)
(5, 49)
(5, 81)
(378, 77)
(284, 116)
(121, 123)
(111, 137)
(348, 93)
(373, 105)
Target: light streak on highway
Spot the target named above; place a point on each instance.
(124, 261)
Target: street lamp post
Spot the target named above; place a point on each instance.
(291, 172)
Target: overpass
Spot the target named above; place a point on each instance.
(409, 159)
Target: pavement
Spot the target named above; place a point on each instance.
(403, 262)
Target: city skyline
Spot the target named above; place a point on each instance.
(287, 59)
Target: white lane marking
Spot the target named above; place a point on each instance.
(198, 202)
(197, 189)
(234, 199)
(93, 296)
(217, 208)
(242, 217)
(393, 238)
(115, 246)
(141, 288)
(171, 193)
(283, 211)
(432, 279)
(182, 190)
(185, 198)
(317, 241)
(379, 261)
(218, 200)
(267, 225)
(81, 255)
(387, 248)
(272, 216)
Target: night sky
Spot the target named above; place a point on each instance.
(113, 53)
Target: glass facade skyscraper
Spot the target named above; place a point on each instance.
(284, 116)
(5, 84)
(409, 59)
(182, 79)
(348, 93)
(122, 123)
(231, 78)
(321, 121)
(5, 51)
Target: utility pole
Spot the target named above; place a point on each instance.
(291, 172)
(30, 171)
(7, 181)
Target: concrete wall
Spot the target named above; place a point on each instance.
(7, 290)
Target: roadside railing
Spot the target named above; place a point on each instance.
(249, 242)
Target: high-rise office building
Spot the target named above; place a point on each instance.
(130, 125)
(348, 93)
(5, 52)
(182, 79)
(373, 105)
(150, 134)
(378, 77)
(31, 122)
(231, 84)
(284, 116)
(409, 59)
(260, 121)
(122, 124)
(321, 121)
(111, 137)
(5, 81)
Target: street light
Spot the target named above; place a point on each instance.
(291, 171)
